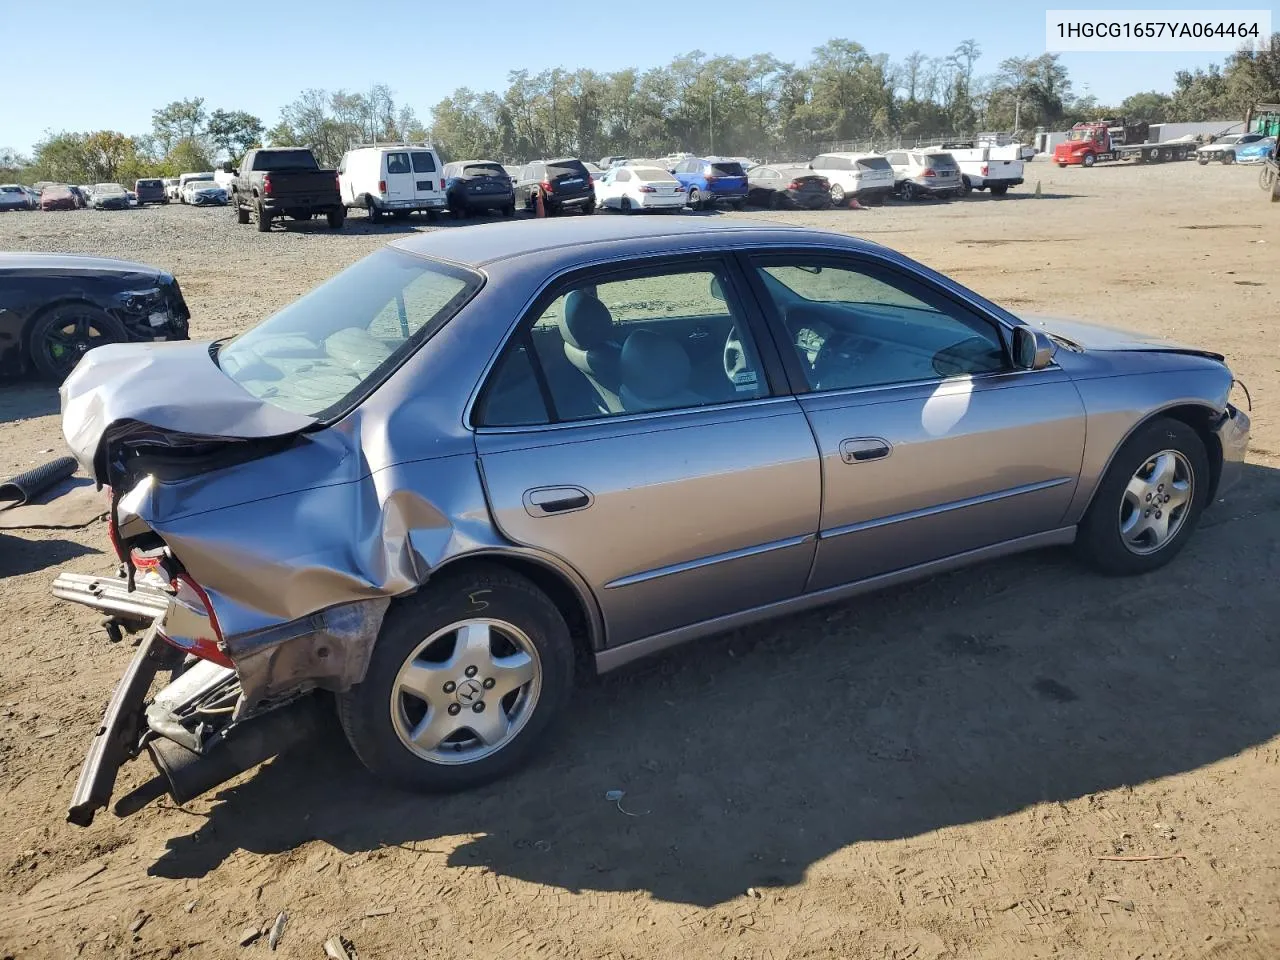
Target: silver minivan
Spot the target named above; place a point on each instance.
(924, 173)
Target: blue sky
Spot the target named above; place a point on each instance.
(426, 50)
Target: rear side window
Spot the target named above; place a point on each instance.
(398, 163)
(724, 169)
(874, 163)
(424, 163)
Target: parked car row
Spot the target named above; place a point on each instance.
(1237, 148)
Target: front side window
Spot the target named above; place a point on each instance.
(666, 340)
(854, 326)
(317, 355)
(397, 163)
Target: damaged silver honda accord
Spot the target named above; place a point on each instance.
(477, 458)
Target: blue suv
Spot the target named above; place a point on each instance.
(710, 181)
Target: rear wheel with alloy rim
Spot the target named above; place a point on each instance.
(60, 337)
(463, 682)
(695, 199)
(1149, 501)
(837, 195)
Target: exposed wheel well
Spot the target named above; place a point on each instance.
(1201, 420)
(566, 597)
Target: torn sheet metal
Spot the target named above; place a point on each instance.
(153, 384)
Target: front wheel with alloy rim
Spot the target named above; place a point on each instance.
(62, 335)
(837, 195)
(463, 681)
(1149, 501)
(1088, 160)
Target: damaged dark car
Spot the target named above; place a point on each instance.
(475, 460)
(55, 308)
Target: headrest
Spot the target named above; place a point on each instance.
(586, 323)
(654, 366)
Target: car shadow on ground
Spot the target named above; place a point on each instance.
(747, 758)
(19, 555)
(22, 398)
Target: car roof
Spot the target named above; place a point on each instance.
(489, 243)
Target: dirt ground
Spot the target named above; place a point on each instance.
(940, 771)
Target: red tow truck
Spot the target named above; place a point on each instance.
(1116, 139)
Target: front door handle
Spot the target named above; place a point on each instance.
(545, 501)
(863, 449)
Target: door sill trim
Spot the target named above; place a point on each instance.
(607, 660)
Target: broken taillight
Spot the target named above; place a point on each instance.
(190, 623)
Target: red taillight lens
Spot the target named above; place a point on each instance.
(382, 186)
(441, 183)
(546, 186)
(648, 189)
(190, 623)
(266, 185)
(984, 169)
(337, 182)
(928, 172)
(711, 180)
(795, 185)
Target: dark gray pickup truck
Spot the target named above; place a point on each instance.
(285, 182)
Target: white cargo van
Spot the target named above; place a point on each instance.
(866, 177)
(392, 178)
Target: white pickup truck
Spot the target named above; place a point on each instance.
(986, 166)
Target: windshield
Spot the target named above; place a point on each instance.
(317, 355)
(6, 188)
(193, 177)
(108, 188)
(483, 170)
(1232, 138)
(1077, 135)
(147, 184)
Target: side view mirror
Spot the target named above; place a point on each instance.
(1032, 350)
(717, 291)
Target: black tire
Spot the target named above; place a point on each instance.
(242, 212)
(400, 215)
(1203, 161)
(375, 214)
(262, 217)
(1098, 540)
(838, 197)
(301, 217)
(509, 210)
(1088, 160)
(336, 218)
(54, 342)
(999, 189)
(460, 212)
(1228, 157)
(908, 191)
(695, 199)
(965, 186)
(589, 207)
(488, 591)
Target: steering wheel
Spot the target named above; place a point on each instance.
(737, 365)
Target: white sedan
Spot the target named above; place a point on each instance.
(639, 188)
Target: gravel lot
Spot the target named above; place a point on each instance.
(955, 769)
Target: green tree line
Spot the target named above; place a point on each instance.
(756, 105)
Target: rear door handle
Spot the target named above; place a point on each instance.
(863, 449)
(545, 501)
